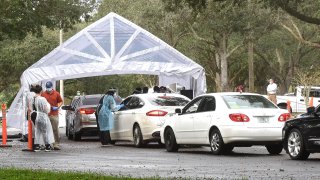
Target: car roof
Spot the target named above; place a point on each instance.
(146, 95)
(89, 96)
(229, 93)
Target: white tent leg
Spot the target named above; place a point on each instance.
(62, 114)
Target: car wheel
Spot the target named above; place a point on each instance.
(77, 136)
(216, 143)
(70, 136)
(137, 136)
(67, 130)
(274, 149)
(295, 145)
(170, 141)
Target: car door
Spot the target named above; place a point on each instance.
(312, 133)
(184, 122)
(73, 115)
(202, 119)
(132, 115)
(119, 117)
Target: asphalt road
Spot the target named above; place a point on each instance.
(153, 161)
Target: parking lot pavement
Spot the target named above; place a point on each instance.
(153, 161)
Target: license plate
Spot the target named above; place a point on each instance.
(263, 119)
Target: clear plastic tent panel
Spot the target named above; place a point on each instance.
(163, 56)
(101, 34)
(84, 45)
(123, 32)
(140, 43)
(74, 59)
(58, 57)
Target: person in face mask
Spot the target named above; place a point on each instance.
(105, 116)
(55, 101)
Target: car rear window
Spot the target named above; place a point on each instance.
(247, 102)
(168, 101)
(91, 100)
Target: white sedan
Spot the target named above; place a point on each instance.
(143, 115)
(224, 121)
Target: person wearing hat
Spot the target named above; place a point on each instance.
(105, 116)
(55, 101)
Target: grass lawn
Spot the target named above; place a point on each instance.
(24, 174)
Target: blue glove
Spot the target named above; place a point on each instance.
(121, 106)
(54, 108)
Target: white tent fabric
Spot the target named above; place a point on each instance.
(111, 45)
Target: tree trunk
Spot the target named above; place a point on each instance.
(218, 73)
(251, 66)
(224, 65)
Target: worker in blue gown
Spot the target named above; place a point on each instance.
(105, 117)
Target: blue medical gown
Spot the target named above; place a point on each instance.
(105, 117)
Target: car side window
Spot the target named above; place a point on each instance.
(193, 106)
(135, 103)
(125, 102)
(208, 104)
(75, 103)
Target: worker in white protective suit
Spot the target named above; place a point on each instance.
(43, 129)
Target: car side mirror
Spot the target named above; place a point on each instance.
(311, 110)
(141, 104)
(178, 111)
(68, 108)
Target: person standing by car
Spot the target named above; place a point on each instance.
(105, 116)
(272, 91)
(42, 128)
(55, 101)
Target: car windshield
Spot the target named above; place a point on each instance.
(91, 100)
(247, 102)
(168, 101)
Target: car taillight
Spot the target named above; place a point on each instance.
(156, 113)
(284, 117)
(238, 117)
(87, 111)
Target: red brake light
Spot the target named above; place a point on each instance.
(284, 117)
(238, 117)
(87, 111)
(156, 113)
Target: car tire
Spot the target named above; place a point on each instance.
(295, 145)
(217, 145)
(67, 129)
(77, 136)
(170, 141)
(137, 137)
(112, 142)
(70, 136)
(274, 149)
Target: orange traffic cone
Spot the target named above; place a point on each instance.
(4, 127)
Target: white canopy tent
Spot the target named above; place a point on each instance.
(111, 45)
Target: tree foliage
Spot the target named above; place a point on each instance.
(17, 18)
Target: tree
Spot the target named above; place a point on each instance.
(306, 11)
(17, 18)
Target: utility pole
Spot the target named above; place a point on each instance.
(61, 81)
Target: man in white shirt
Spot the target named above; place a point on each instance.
(272, 91)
